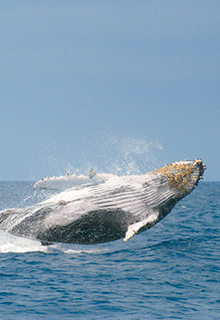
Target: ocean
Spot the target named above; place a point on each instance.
(171, 271)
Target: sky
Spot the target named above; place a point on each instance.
(118, 85)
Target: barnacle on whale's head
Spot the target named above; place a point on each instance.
(182, 176)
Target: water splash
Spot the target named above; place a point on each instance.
(117, 154)
(131, 155)
(11, 243)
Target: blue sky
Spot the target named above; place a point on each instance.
(108, 83)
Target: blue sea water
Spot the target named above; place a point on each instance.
(171, 271)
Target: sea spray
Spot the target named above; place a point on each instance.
(105, 153)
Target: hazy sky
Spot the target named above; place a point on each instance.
(108, 84)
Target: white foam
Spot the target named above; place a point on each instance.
(11, 243)
(91, 251)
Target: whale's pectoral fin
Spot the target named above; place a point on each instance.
(136, 227)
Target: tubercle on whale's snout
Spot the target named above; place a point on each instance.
(181, 175)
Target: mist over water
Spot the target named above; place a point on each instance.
(104, 153)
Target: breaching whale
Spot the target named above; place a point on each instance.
(109, 209)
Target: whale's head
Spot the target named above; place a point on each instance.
(172, 183)
(182, 177)
(164, 187)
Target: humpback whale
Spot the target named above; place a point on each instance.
(111, 208)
